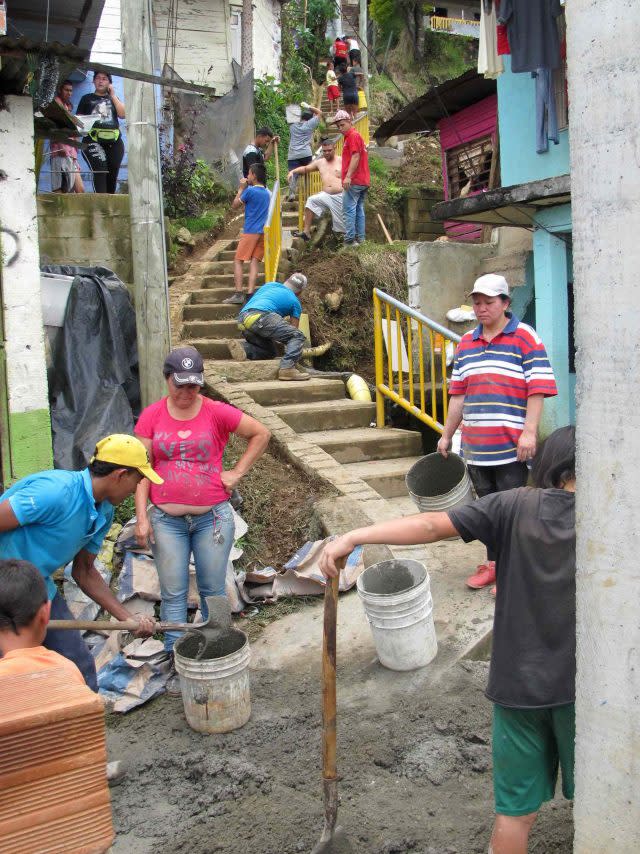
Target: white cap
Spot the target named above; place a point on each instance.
(298, 281)
(491, 285)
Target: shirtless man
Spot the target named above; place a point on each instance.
(330, 199)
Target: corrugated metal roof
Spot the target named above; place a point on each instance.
(67, 22)
(444, 100)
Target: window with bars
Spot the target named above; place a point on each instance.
(469, 167)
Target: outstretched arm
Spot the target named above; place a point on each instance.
(407, 531)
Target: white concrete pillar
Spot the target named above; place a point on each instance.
(604, 72)
(28, 425)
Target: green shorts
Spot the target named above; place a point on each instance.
(528, 747)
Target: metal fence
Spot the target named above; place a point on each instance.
(273, 235)
(414, 372)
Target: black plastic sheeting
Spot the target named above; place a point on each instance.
(94, 389)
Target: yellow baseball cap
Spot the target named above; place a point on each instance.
(126, 451)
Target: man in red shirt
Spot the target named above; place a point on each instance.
(355, 179)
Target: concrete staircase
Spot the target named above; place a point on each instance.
(318, 409)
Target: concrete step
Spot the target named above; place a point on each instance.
(209, 348)
(210, 296)
(207, 311)
(215, 268)
(226, 255)
(211, 329)
(360, 444)
(326, 414)
(221, 280)
(403, 505)
(385, 476)
(243, 372)
(274, 393)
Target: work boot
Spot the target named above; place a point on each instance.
(237, 350)
(292, 375)
(235, 299)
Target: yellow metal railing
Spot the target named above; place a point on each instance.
(361, 124)
(417, 350)
(440, 23)
(308, 185)
(273, 235)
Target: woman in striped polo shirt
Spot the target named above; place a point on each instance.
(501, 376)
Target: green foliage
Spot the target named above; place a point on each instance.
(307, 25)
(125, 511)
(448, 56)
(207, 221)
(384, 191)
(385, 14)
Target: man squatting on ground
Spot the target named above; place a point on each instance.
(53, 517)
(501, 376)
(262, 324)
(532, 673)
(330, 198)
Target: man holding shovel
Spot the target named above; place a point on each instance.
(533, 667)
(53, 517)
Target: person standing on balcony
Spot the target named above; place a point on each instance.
(329, 166)
(300, 136)
(253, 194)
(65, 173)
(501, 376)
(103, 147)
(355, 179)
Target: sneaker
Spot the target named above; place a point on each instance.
(484, 575)
(235, 299)
(237, 350)
(302, 234)
(292, 375)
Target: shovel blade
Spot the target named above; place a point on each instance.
(337, 843)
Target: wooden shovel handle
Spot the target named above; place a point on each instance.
(329, 770)
(115, 625)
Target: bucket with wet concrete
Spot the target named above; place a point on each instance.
(214, 672)
(437, 483)
(396, 596)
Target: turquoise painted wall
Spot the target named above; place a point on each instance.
(519, 162)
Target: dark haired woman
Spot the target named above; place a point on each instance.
(186, 434)
(103, 147)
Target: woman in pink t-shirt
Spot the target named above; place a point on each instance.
(186, 434)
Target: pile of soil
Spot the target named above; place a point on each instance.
(416, 768)
(350, 327)
(422, 163)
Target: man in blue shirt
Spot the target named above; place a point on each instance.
(53, 517)
(262, 324)
(253, 194)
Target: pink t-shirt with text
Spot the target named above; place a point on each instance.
(188, 454)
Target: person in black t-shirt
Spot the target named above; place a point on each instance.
(533, 668)
(259, 150)
(103, 147)
(348, 83)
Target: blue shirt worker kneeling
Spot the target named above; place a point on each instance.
(262, 324)
(53, 517)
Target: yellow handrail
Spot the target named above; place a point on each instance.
(273, 235)
(428, 345)
(440, 23)
(308, 185)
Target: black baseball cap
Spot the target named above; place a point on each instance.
(185, 366)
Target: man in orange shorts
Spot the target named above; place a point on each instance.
(253, 194)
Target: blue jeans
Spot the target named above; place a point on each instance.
(268, 329)
(353, 204)
(70, 643)
(210, 537)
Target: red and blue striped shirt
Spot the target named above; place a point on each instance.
(496, 378)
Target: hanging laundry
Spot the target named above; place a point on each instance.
(533, 34)
(546, 118)
(503, 37)
(489, 63)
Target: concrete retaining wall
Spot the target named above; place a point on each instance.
(86, 229)
(418, 224)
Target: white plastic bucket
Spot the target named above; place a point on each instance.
(397, 601)
(215, 691)
(435, 483)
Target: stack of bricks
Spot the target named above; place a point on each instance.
(53, 787)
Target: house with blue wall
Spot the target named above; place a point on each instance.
(534, 194)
